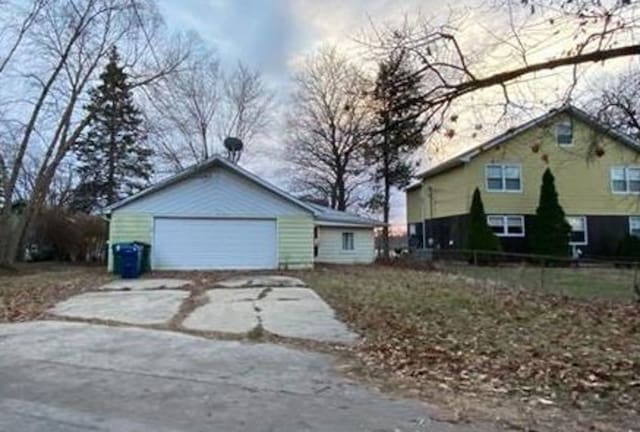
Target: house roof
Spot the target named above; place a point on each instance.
(413, 186)
(322, 214)
(328, 216)
(573, 111)
(209, 163)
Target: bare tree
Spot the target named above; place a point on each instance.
(60, 54)
(16, 33)
(247, 105)
(328, 127)
(617, 103)
(585, 32)
(181, 110)
(190, 113)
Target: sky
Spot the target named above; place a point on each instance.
(273, 36)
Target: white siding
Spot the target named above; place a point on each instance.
(330, 250)
(215, 193)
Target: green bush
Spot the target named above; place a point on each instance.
(481, 238)
(550, 228)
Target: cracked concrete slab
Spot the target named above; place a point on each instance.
(134, 307)
(145, 284)
(228, 310)
(60, 376)
(289, 312)
(301, 313)
(260, 281)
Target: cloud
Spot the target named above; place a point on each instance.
(259, 33)
(274, 35)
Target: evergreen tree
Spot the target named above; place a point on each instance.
(113, 156)
(550, 228)
(480, 235)
(397, 102)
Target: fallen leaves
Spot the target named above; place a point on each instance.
(27, 295)
(459, 335)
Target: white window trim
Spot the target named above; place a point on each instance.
(629, 220)
(505, 232)
(625, 168)
(557, 135)
(353, 241)
(503, 166)
(586, 231)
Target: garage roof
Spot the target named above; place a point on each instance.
(195, 169)
(322, 214)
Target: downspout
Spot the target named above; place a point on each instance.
(430, 190)
(424, 222)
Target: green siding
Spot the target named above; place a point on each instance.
(295, 241)
(125, 227)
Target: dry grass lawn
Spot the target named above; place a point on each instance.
(461, 337)
(27, 292)
(542, 361)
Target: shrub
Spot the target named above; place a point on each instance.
(481, 238)
(551, 231)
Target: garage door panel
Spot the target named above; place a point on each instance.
(202, 244)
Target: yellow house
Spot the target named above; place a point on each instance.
(597, 176)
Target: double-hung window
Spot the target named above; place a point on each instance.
(634, 226)
(506, 225)
(578, 230)
(564, 134)
(347, 241)
(503, 178)
(625, 179)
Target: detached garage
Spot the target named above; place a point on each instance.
(217, 215)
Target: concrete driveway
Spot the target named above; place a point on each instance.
(75, 376)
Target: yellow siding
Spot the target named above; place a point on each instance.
(295, 241)
(582, 178)
(414, 206)
(126, 227)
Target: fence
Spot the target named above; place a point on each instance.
(585, 278)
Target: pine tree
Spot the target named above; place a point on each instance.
(397, 104)
(113, 156)
(550, 228)
(480, 235)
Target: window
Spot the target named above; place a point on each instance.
(634, 225)
(506, 225)
(347, 241)
(564, 134)
(578, 230)
(412, 229)
(503, 178)
(625, 179)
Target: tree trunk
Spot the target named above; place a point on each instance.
(341, 203)
(385, 216)
(12, 227)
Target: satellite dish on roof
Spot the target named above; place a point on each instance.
(234, 148)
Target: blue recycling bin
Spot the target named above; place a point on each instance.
(130, 259)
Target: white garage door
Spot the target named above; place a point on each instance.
(203, 244)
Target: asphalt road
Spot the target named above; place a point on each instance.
(68, 377)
